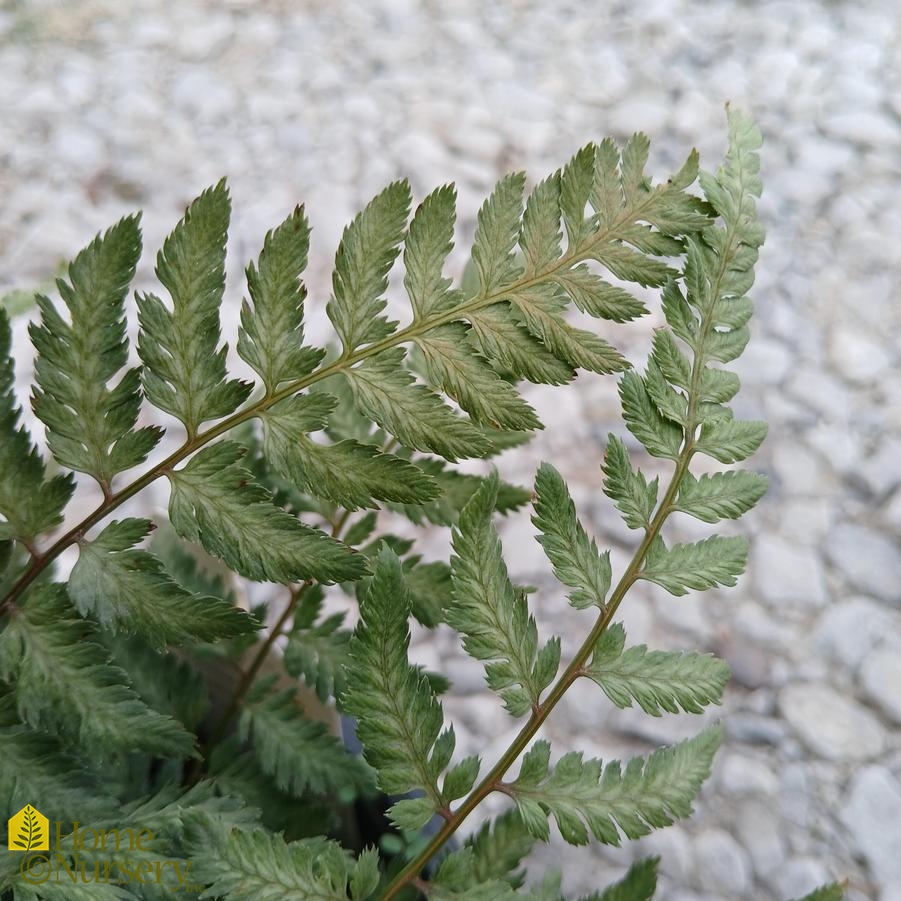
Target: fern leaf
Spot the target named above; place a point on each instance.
(722, 495)
(831, 892)
(541, 309)
(368, 249)
(184, 368)
(649, 793)
(29, 503)
(576, 182)
(539, 236)
(499, 848)
(215, 501)
(271, 335)
(639, 883)
(660, 436)
(300, 754)
(497, 232)
(452, 366)
(385, 391)
(129, 589)
(598, 298)
(702, 565)
(456, 489)
(37, 769)
(166, 682)
(511, 348)
(656, 680)
(399, 718)
(256, 865)
(317, 650)
(431, 589)
(575, 557)
(456, 879)
(673, 364)
(64, 681)
(633, 495)
(491, 615)
(90, 427)
(351, 474)
(670, 403)
(731, 440)
(428, 244)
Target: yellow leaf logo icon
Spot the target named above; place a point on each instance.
(28, 831)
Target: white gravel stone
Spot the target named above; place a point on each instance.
(830, 724)
(849, 629)
(787, 572)
(800, 877)
(761, 834)
(880, 676)
(869, 560)
(857, 357)
(870, 814)
(862, 127)
(723, 861)
(881, 471)
(740, 774)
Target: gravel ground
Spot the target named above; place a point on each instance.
(111, 106)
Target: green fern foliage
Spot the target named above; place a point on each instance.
(255, 865)
(492, 614)
(157, 685)
(64, 681)
(585, 796)
(29, 503)
(184, 366)
(400, 719)
(297, 752)
(657, 681)
(90, 427)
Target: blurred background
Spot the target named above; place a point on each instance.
(109, 106)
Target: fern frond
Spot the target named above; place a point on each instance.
(389, 395)
(184, 368)
(37, 769)
(63, 680)
(635, 497)
(456, 879)
(90, 427)
(317, 651)
(499, 848)
(127, 588)
(271, 335)
(29, 503)
(399, 718)
(722, 495)
(215, 502)
(348, 473)
(655, 680)
(492, 615)
(639, 884)
(300, 754)
(702, 565)
(647, 794)
(575, 557)
(456, 489)
(259, 866)
(368, 249)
